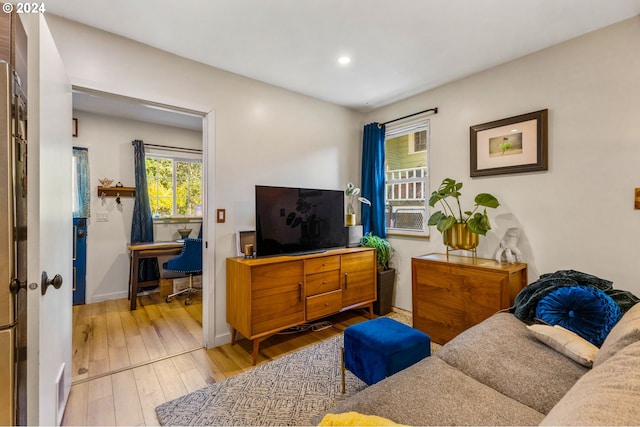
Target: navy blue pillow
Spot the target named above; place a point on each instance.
(589, 312)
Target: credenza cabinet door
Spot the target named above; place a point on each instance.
(277, 298)
(358, 278)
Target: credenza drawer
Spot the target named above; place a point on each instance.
(320, 283)
(324, 304)
(322, 264)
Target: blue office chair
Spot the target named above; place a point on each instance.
(189, 261)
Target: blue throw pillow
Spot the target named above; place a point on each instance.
(589, 312)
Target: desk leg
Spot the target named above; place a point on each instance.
(133, 292)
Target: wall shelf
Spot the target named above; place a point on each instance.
(116, 191)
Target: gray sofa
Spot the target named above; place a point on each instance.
(498, 373)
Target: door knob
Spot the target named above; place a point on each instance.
(56, 282)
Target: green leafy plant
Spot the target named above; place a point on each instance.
(477, 222)
(383, 248)
(352, 195)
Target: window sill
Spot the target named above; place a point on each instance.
(178, 220)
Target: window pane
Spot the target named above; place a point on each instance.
(185, 187)
(406, 183)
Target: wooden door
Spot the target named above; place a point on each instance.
(358, 278)
(277, 296)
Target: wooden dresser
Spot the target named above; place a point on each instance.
(268, 295)
(452, 293)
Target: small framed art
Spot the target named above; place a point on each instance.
(512, 145)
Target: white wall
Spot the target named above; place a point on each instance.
(580, 213)
(263, 134)
(108, 140)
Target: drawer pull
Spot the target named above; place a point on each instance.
(324, 264)
(346, 275)
(326, 304)
(324, 282)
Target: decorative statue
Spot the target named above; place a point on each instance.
(508, 246)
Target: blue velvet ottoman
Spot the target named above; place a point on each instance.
(376, 349)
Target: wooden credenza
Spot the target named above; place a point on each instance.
(268, 295)
(452, 293)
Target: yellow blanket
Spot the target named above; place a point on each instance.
(355, 419)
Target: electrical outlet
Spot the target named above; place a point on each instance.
(102, 217)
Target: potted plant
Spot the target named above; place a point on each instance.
(460, 230)
(386, 275)
(352, 192)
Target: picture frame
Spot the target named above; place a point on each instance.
(244, 236)
(512, 145)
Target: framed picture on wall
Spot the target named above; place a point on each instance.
(512, 145)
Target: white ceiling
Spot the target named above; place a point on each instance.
(398, 47)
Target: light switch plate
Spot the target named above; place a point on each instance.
(221, 215)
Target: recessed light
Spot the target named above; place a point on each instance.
(344, 60)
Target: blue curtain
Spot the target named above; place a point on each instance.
(373, 176)
(142, 223)
(81, 190)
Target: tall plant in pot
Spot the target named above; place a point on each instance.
(460, 230)
(386, 275)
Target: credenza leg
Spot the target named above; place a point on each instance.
(254, 354)
(233, 336)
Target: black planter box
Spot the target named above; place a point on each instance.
(384, 285)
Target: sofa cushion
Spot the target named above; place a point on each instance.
(501, 353)
(566, 342)
(625, 332)
(607, 395)
(433, 393)
(588, 312)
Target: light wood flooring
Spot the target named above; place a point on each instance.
(125, 363)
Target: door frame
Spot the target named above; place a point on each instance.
(208, 213)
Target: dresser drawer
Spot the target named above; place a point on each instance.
(324, 304)
(322, 264)
(320, 283)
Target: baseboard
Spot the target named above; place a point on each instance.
(109, 297)
(221, 339)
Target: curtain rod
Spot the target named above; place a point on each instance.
(169, 147)
(434, 110)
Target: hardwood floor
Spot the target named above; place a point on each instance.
(125, 363)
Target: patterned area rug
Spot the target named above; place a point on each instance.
(288, 391)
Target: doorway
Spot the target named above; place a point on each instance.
(91, 106)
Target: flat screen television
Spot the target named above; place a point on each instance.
(292, 221)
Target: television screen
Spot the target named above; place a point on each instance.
(298, 220)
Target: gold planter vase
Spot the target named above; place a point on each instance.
(460, 237)
(350, 219)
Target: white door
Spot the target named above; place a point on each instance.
(49, 227)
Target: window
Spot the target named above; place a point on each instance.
(407, 178)
(175, 186)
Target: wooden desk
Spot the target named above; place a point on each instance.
(138, 251)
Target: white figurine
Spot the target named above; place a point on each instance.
(508, 246)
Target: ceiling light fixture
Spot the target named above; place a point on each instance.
(344, 60)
